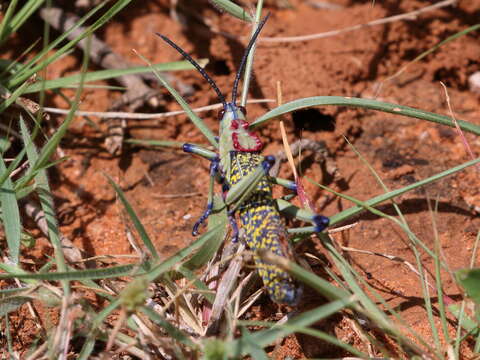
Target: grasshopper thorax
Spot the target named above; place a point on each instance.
(235, 131)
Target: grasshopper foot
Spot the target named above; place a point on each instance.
(321, 222)
(202, 219)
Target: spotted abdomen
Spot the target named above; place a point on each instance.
(264, 229)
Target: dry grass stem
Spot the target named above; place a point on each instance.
(412, 15)
(143, 116)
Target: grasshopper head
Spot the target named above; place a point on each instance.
(234, 129)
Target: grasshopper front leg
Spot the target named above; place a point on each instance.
(214, 172)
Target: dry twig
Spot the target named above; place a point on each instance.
(142, 116)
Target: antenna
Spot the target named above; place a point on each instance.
(245, 55)
(212, 83)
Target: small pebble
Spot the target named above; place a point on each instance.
(187, 216)
(474, 82)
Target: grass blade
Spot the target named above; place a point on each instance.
(470, 280)
(181, 101)
(365, 104)
(20, 78)
(347, 213)
(11, 24)
(69, 81)
(12, 303)
(265, 337)
(90, 274)
(10, 216)
(6, 25)
(233, 9)
(136, 221)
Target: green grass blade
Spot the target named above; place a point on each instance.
(24, 71)
(11, 97)
(414, 241)
(347, 213)
(46, 152)
(464, 319)
(136, 221)
(434, 48)
(87, 348)
(4, 293)
(37, 171)
(69, 81)
(200, 285)
(6, 25)
(10, 216)
(317, 283)
(119, 5)
(255, 350)
(44, 195)
(369, 309)
(90, 274)
(181, 101)
(176, 259)
(249, 65)
(11, 23)
(160, 143)
(327, 338)
(365, 104)
(12, 303)
(354, 210)
(470, 281)
(8, 335)
(151, 276)
(174, 332)
(89, 344)
(233, 9)
(266, 337)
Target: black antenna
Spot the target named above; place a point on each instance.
(198, 67)
(245, 55)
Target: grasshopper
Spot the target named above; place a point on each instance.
(247, 187)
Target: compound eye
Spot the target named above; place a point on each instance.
(221, 113)
(243, 110)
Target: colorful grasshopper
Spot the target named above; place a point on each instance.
(243, 173)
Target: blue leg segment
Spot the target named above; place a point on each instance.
(288, 184)
(200, 151)
(202, 219)
(320, 222)
(213, 172)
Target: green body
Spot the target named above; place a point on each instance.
(263, 228)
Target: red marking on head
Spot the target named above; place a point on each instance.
(234, 125)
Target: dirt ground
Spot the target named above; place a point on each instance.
(401, 150)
